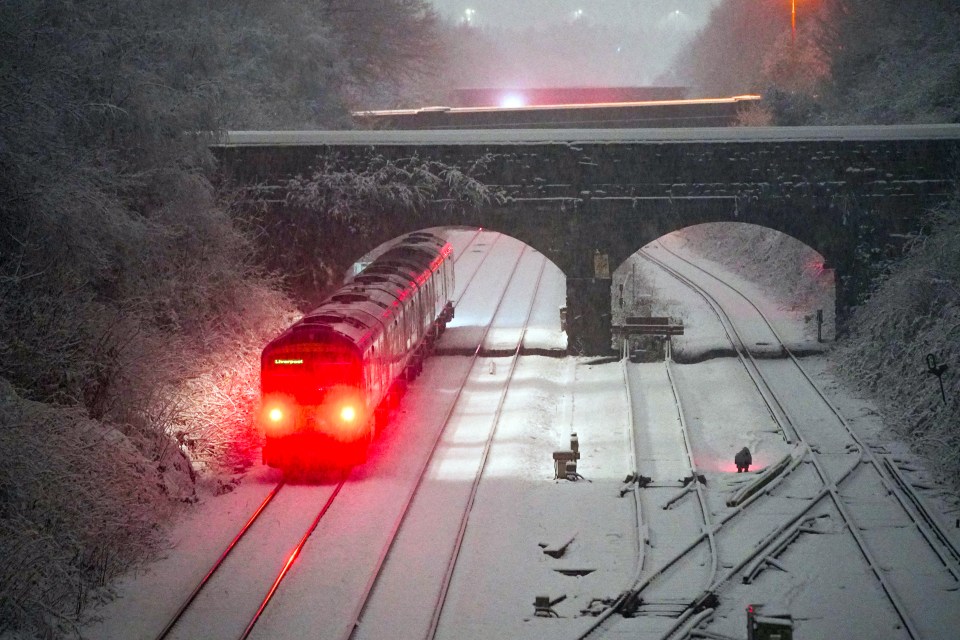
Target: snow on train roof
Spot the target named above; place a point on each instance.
(356, 309)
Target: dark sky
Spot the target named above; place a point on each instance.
(523, 13)
(540, 42)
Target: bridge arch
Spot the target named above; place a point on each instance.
(789, 271)
(588, 199)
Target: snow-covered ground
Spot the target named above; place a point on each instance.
(520, 507)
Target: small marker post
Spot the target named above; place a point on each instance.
(937, 370)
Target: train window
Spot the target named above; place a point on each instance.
(316, 372)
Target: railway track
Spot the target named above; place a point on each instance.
(228, 574)
(428, 611)
(359, 537)
(225, 589)
(850, 487)
(680, 571)
(649, 501)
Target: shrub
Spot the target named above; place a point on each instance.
(912, 312)
(79, 504)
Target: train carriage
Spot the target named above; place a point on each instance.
(332, 377)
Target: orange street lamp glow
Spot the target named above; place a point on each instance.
(793, 18)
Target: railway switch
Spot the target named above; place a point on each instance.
(543, 606)
(565, 460)
(702, 479)
(560, 460)
(768, 627)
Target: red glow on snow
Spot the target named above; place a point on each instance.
(758, 464)
(814, 267)
(727, 465)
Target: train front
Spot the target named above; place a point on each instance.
(314, 410)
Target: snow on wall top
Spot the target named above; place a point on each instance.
(590, 136)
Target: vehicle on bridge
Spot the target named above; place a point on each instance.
(332, 377)
(704, 112)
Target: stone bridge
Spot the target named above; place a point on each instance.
(588, 199)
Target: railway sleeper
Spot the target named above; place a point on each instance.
(663, 608)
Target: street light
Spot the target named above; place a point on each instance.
(469, 13)
(793, 19)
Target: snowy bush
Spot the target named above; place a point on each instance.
(341, 199)
(132, 307)
(79, 503)
(913, 312)
(849, 62)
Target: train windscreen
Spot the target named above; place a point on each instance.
(308, 375)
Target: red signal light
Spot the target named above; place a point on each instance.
(275, 415)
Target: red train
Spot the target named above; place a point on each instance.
(333, 376)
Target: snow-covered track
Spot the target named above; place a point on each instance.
(853, 480)
(475, 485)
(290, 560)
(354, 621)
(204, 608)
(668, 602)
(702, 583)
(911, 503)
(253, 550)
(217, 563)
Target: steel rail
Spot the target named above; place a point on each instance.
(291, 558)
(216, 565)
(777, 413)
(935, 527)
(717, 527)
(485, 454)
(688, 446)
(357, 614)
(709, 530)
(188, 601)
(829, 484)
(926, 525)
(704, 507)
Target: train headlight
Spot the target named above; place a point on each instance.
(277, 417)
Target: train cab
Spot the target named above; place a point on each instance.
(313, 398)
